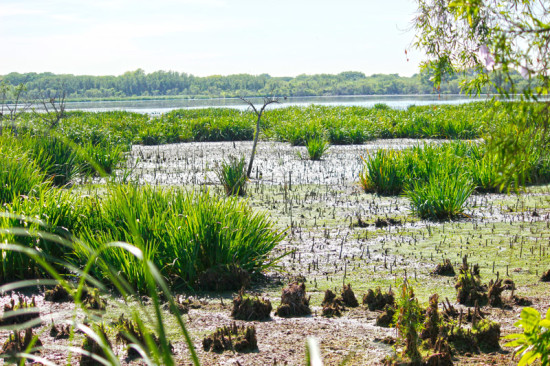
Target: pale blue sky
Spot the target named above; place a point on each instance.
(207, 37)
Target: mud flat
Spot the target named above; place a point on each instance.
(337, 234)
(275, 162)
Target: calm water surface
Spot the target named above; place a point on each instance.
(163, 106)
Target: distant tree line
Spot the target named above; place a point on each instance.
(170, 83)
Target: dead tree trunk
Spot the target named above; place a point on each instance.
(267, 101)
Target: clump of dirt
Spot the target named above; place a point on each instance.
(93, 300)
(499, 286)
(484, 335)
(488, 334)
(183, 304)
(463, 340)
(390, 341)
(377, 300)
(444, 269)
(360, 223)
(442, 354)
(545, 276)
(469, 287)
(31, 311)
(385, 319)
(250, 308)
(332, 306)
(60, 332)
(473, 316)
(380, 223)
(449, 311)
(91, 346)
(348, 297)
(431, 330)
(224, 278)
(509, 284)
(57, 294)
(17, 343)
(294, 301)
(495, 293)
(520, 301)
(129, 332)
(233, 337)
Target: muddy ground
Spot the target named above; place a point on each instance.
(338, 234)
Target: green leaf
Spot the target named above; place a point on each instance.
(525, 359)
(530, 317)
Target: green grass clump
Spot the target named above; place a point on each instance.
(184, 233)
(55, 157)
(19, 174)
(384, 173)
(442, 197)
(60, 212)
(232, 176)
(317, 147)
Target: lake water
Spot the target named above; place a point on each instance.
(163, 106)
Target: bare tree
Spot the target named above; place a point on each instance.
(267, 101)
(13, 102)
(53, 106)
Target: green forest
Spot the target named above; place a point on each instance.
(170, 83)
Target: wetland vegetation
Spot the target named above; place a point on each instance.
(151, 218)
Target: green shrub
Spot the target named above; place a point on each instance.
(317, 147)
(534, 343)
(56, 211)
(19, 174)
(55, 157)
(184, 234)
(383, 173)
(442, 197)
(232, 176)
(408, 321)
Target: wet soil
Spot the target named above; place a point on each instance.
(320, 205)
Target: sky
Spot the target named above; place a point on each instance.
(208, 37)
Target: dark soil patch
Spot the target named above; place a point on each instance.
(57, 294)
(385, 319)
(231, 338)
(444, 269)
(377, 300)
(90, 345)
(224, 278)
(469, 287)
(294, 301)
(250, 308)
(60, 332)
(129, 332)
(332, 306)
(348, 297)
(17, 343)
(22, 304)
(388, 221)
